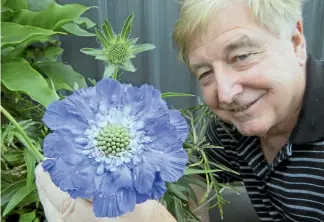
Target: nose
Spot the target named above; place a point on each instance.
(228, 89)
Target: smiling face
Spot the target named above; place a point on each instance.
(248, 76)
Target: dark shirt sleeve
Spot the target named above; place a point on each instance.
(221, 134)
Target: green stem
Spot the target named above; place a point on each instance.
(115, 74)
(23, 133)
(193, 129)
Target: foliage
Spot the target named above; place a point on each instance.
(33, 77)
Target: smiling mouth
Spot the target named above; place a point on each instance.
(243, 108)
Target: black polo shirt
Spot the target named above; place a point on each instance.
(291, 188)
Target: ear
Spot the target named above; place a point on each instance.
(299, 43)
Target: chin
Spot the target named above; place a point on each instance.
(252, 128)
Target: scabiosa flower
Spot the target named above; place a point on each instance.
(115, 144)
(117, 50)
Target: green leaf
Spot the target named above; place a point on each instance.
(102, 38)
(108, 30)
(83, 20)
(7, 193)
(194, 171)
(177, 190)
(3, 2)
(224, 168)
(128, 66)
(211, 147)
(76, 30)
(6, 51)
(37, 5)
(141, 48)
(4, 184)
(93, 52)
(18, 75)
(31, 198)
(28, 217)
(25, 124)
(76, 86)
(18, 196)
(30, 160)
(53, 17)
(191, 215)
(14, 156)
(92, 81)
(6, 14)
(58, 85)
(14, 34)
(172, 94)
(62, 73)
(109, 70)
(24, 142)
(179, 211)
(132, 41)
(16, 5)
(127, 26)
(51, 53)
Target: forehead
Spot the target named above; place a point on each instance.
(225, 26)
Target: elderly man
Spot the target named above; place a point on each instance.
(268, 93)
(250, 58)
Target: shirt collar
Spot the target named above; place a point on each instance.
(310, 124)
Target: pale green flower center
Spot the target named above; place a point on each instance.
(113, 139)
(117, 53)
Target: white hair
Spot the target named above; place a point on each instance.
(279, 16)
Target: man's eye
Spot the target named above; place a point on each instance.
(205, 74)
(240, 57)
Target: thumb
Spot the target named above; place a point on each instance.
(53, 199)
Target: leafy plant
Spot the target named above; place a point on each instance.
(33, 77)
(200, 171)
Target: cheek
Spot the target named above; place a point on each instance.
(271, 77)
(210, 96)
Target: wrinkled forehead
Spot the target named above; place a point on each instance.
(234, 17)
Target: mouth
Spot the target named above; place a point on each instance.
(244, 108)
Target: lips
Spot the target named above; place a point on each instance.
(243, 108)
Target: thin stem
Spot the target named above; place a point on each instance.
(23, 133)
(193, 129)
(115, 74)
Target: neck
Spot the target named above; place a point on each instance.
(284, 128)
(276, 138)
(273, 141)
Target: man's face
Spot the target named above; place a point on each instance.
(248, 76)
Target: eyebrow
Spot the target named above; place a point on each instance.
(242, 42)
(193, 68)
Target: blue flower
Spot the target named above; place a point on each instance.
(115, 144)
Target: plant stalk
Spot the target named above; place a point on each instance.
(36, 152)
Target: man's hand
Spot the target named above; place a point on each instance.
(59, 206)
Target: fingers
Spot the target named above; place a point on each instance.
(150, 210)
(53, 199)
(50, 211)
(59, 206)
(49, 189)
(158, 211)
